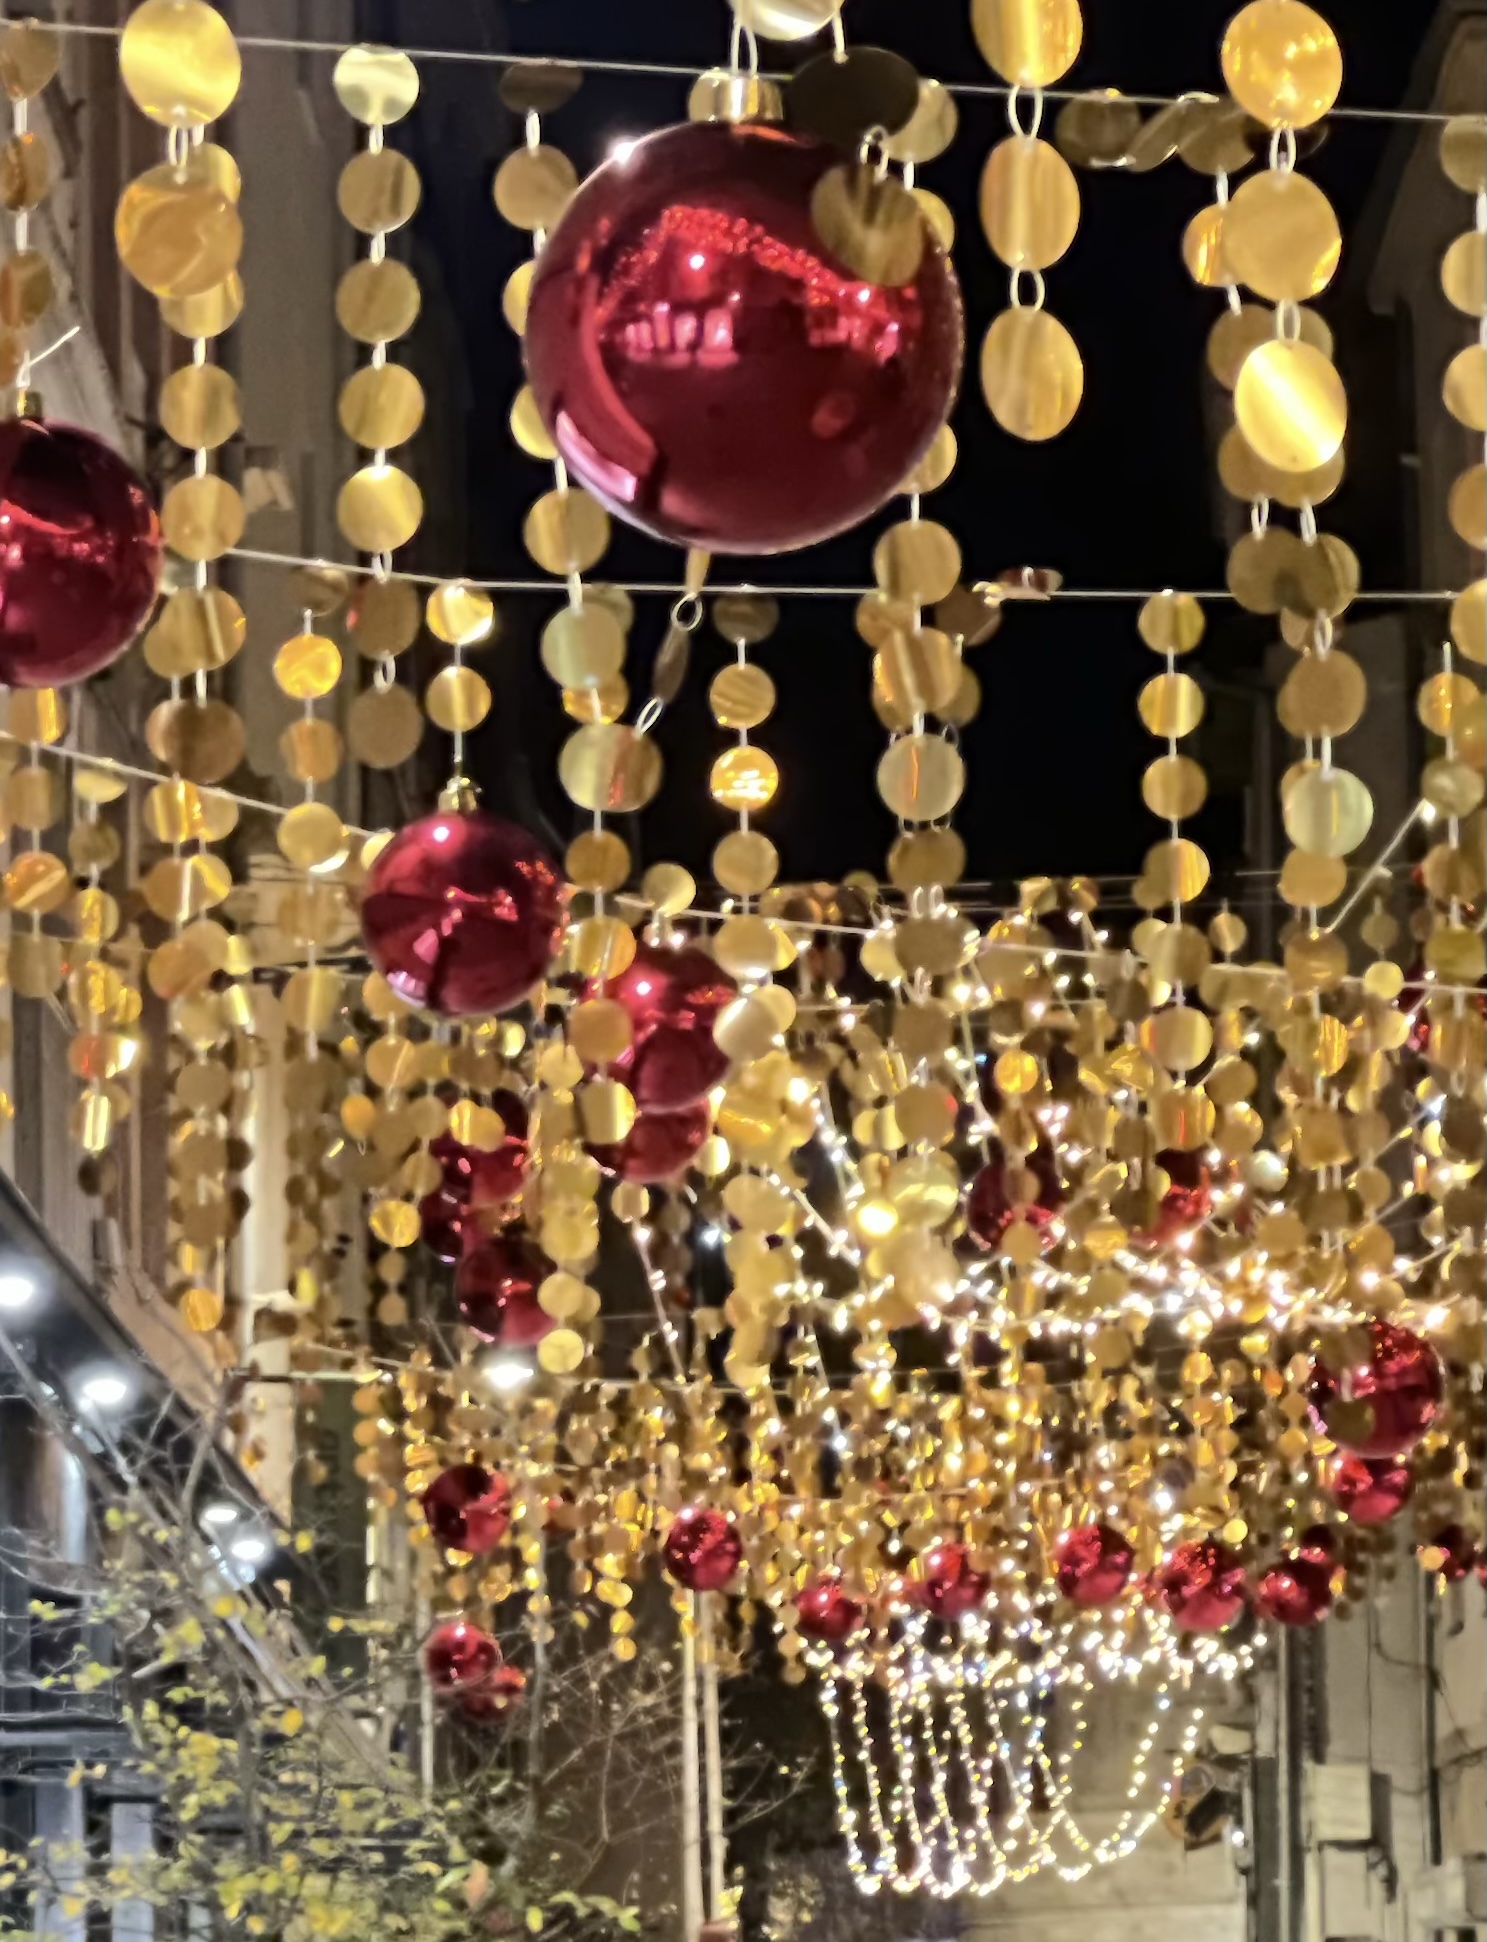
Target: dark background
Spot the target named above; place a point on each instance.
(1125, 498)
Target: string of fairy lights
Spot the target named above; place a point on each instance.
(920, 1268)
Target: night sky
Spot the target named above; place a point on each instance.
(1125, 498)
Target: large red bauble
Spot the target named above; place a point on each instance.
(991, 1210)
(478, 1179)
(1094, 1565)
(709, 370)
(702, 1549)
(1187, 1203)
(949, 1585)
(1371, 1489)
(672, 999)
(828, 1614)
(1383, 1407)
(496, 1696)
(1297, 1591)
(468, 1508)
(442, 1224)
(658, 1146)
(458, 1657)
(495, 1290)
(79, 554)
(1201, 1586)
(463, 913)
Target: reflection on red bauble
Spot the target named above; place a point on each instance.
(458, 1657)
(672, 999)
(442, 1220)
(1372, 1489)
(495, 1696)
(949, 1585)
(1187, 1203)
(463, 913)
(1384, 1406)
(1457, 1553)
(1201, 1586)
(468, 1508)
(708, 370)
(658, 1146)
(990, 1209)
(495, 1290)
(1297, 1591)
(827, 1613)
(1094, 1565)
(702, 1550)
(487, 1180)
(79, 554)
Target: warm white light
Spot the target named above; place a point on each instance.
(106, 1390)
(251, 1550)
(623, 150)
(219, 1514)
(507, 1373)
(16, 1290)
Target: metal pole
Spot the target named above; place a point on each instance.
(691, 1785)
(717, 1847)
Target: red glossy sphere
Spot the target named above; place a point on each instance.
(458, 1657)
(442, 1219)
(80, 554)
(481, 1180)
(1383, 1407)
(827, 1613)
(658, 1146)
(1094, 1565)
(1187, 1203)
(949, 1585)
(1201, 1586)
(708, 370)
(672, 999)
(1297, 1591)
(463, 913)
(1372, 1489)
(990, 1209)
(496, 1696)
(1459, 1554)
(702, 1549)
(495, 1290)
(468, 1508)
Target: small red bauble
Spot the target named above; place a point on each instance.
(80, 554)
(463, 913)
(1187, 1203)
(672, 999)
(442, 1225)
(495, 1696)
(1094, 1565)
(990, 1209)
(1297, 1591)
(458, 1657)
(1372, 1489)
(1201, 1586)
(1458, 1553)
(658, 1146)
(702, 1550)
(827, 1613)
(468, 1508)
(1385, 1406)
(487, 1180)
(949, 1585)
(495, 1290)
(709, 370)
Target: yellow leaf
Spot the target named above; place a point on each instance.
(225, 1607)
(303, 1541)
(534, 1921)
(292, 1721)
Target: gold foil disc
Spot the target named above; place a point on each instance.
(1245, 474)
(1203, 248)
(1171, 705)
(461, 615)
(721, 95)
(1029, 42)
(180, 63)
(1464, 387)
(201, 740)
(1469, 622)
(741, 696)
(921, 778)
(196, 631)
(1323, 695)
(744, 779)
(598, 860)
(1171, 623)
(1464, 153)
(583, 647)
(533, 187)
(384, 617)
(1291, 405)
(378, 302)
(208, 314)
(746, 862)
(1095, 130)
(1281, 237)
(177, 232)
(1466, 507)
(786, 19)
(30, 54)
(1175, 787)
(1029, 203)
(872, 225)
(200, 407)
(379, 509)
(566, 532)
(1282, 63)
(375, 85)
(1464, 273)
(1238, 332)
(381, 406)
(383, 727)
(610, 767)
(457, 700)
(917, 561)
(1032, 374)
(307, 666)
(930, 130)
(311, 750)
(1328, 812)
(1310, 882)
(528, 430)
(202, 517)
(312, 834)
(25, 172)
(916, 673)
(378, 190)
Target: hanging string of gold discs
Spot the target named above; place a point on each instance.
(179, 233)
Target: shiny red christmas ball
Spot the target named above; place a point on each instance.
(1384, 1406)
(1372, 1489)
(658, 1146)
(1187, 1203)
(468, 1508)
(1318, 1545)
(1201, 1586)
(990, 1209)
(1297, 1591)
(672, 999)
(495, 1290)
(458, 1657)
(702, 1551)
(487, 1180)
(1093, 1565)
(828, 1614)
(80, 554)
(463, 913)
(442, 1228)
(707, 368)
(495, 1697)
(949, 1585)
(1458, 1552)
